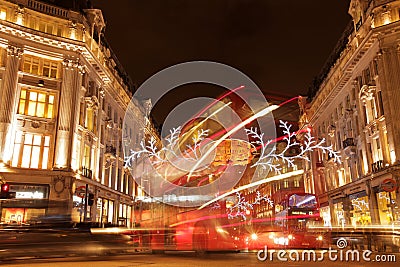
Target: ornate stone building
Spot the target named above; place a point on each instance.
(64, 96)
(354, 106)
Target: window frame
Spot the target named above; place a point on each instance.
(23, 146)
(46, 104)
(41, 66)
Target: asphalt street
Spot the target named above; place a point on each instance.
(183, 259)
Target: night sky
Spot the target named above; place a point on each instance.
(280, 45)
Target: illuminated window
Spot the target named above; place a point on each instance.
(286, 184)
(59, 31)
(82, 114)
(50, 69)
(31, 150)
(39, 66)
(296, 183)
(110, 211)
(31, 65)
(86, 156)
(89, 119)
(2, 51)
(32, 23)
(119, 184)
(36, 103)
(3, 13)
(46, 27)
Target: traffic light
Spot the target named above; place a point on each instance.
(5, 188)
(5, 192)
(90, 199)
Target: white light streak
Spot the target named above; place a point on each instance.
(263, 181)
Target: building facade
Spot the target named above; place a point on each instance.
(64, 96)
(354, 107)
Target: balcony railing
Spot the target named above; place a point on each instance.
(377, 166)
(86, 172)
(49, 9)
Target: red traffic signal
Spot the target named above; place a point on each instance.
(5, 192)
(5, 188)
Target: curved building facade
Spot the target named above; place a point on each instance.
(64, 96)
(354, 107)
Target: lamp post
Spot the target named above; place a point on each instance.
(85, 203)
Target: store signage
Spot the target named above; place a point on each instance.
(300, 212)
(30, 191)
(35, 195)
(388, 185)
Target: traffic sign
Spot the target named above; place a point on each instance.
(81, 191)
(389, 185)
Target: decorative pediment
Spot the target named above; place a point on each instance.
(367, 93)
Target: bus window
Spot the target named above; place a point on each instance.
(302, 201)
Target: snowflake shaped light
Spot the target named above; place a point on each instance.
(158, 156)
(359, 204)
(272, 160)
(242, 206)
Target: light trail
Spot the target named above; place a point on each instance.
(280, 105)
(203, 218)
(217, 100)
(261, 113)
(205, 119)
(214, 102)
(289, 100)
(263, 181)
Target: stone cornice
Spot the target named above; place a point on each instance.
(347, 72)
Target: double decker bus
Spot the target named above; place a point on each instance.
(199, 230)
(288, 227)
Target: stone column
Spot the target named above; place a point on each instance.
(9, 101)
(99, 168)
(373, 203)
(68, 108)
(389, 73)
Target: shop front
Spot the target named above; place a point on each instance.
(325, 213)
(339, 213)
(125, 214)
(387, 195)
(360, 209)
(388, 208)
(31, 202)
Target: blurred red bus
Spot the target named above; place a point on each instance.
(288, 227)
(193, 230)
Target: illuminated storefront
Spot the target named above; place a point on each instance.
(339, 214)
(325, 213)
(360, 210)
(388, 208)
(31, 201)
